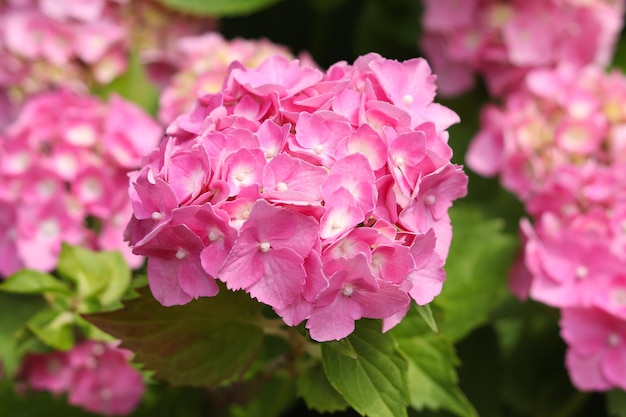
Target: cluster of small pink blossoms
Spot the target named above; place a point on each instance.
(560, 145)
(96, 376)
(77, 43)
(63, 168)
(322, 195)
(501, 40)
(201, 64)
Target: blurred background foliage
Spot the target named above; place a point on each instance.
(510, 353)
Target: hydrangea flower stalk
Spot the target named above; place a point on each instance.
(324, 195)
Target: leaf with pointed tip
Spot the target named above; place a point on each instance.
(374, 382)
(427, 314)
(203, 343)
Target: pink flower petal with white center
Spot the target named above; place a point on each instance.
(319, 135)
(244, 168)
(366, 141)
(272, 137)
(409, 84)
(333, 321)
(211, 225)
(277, 73)
(239, 209)
(290, 179)
(438, 189)
(267, 230)
(175, 273)
(152, 200)
(352, 293)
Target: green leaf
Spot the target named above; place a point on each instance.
(374, 382)
(27, 281)
(272, 398)
(203, 343)
(477, 271)
(53, 328)
(427, 314)
(101, 276)
(433, 382)
(218, 8)
(616, 403)
(15, 311)
(317, 393)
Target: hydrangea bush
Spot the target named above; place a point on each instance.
(198, 222)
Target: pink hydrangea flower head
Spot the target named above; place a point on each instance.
(311, 186)
(562, 116)
(558, 144)
(69, 166)
(96, 376)
(46, 44)
(502, 40)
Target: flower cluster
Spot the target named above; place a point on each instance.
(501, 40)
(63, 167)
(322, 195)
(76, 43)
(560, 145)
(95, 376)
(201, 64)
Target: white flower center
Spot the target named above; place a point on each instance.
(581, 272)
(281, 186)
(430, 199)
(264, 247)
(613, 340)
(213, 235)
(318, 149)
(347, 289)
(181, 254)
(619, 297)
(156, 215)
(407, 99)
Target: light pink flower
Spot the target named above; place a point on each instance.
(502, 40)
